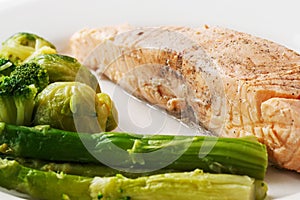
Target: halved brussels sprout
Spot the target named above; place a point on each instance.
(23, 46)
(73, 106)
(66, 68)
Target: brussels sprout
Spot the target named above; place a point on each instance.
(22, 46)
(112, 119)
(66, 68)
(72, 106)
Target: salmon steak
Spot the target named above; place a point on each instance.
(231, 83)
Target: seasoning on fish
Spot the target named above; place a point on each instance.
(230, 82)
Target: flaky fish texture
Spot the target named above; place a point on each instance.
(230, 82)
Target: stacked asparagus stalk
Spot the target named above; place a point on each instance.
(48, 163)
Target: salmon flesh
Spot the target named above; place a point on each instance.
(232, 83)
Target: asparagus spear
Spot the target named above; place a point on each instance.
(43, 185)
(241, 156)
(82, 169)
(194, 185)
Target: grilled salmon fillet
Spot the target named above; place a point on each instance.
(232, 83)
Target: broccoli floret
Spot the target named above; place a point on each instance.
(22, 46)
(18, 91)
(30, 73)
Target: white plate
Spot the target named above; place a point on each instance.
(57, 20)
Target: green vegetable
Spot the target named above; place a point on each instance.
(6, 67)
(176, 186)
(71, 106)
(28, 63)
(138, 153)
(112, 118)
(18, 91)
(82, 169)
(43, 185)
(22, 46)
(194, 185)
(65, 68)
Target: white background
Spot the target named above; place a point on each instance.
(271, 19)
